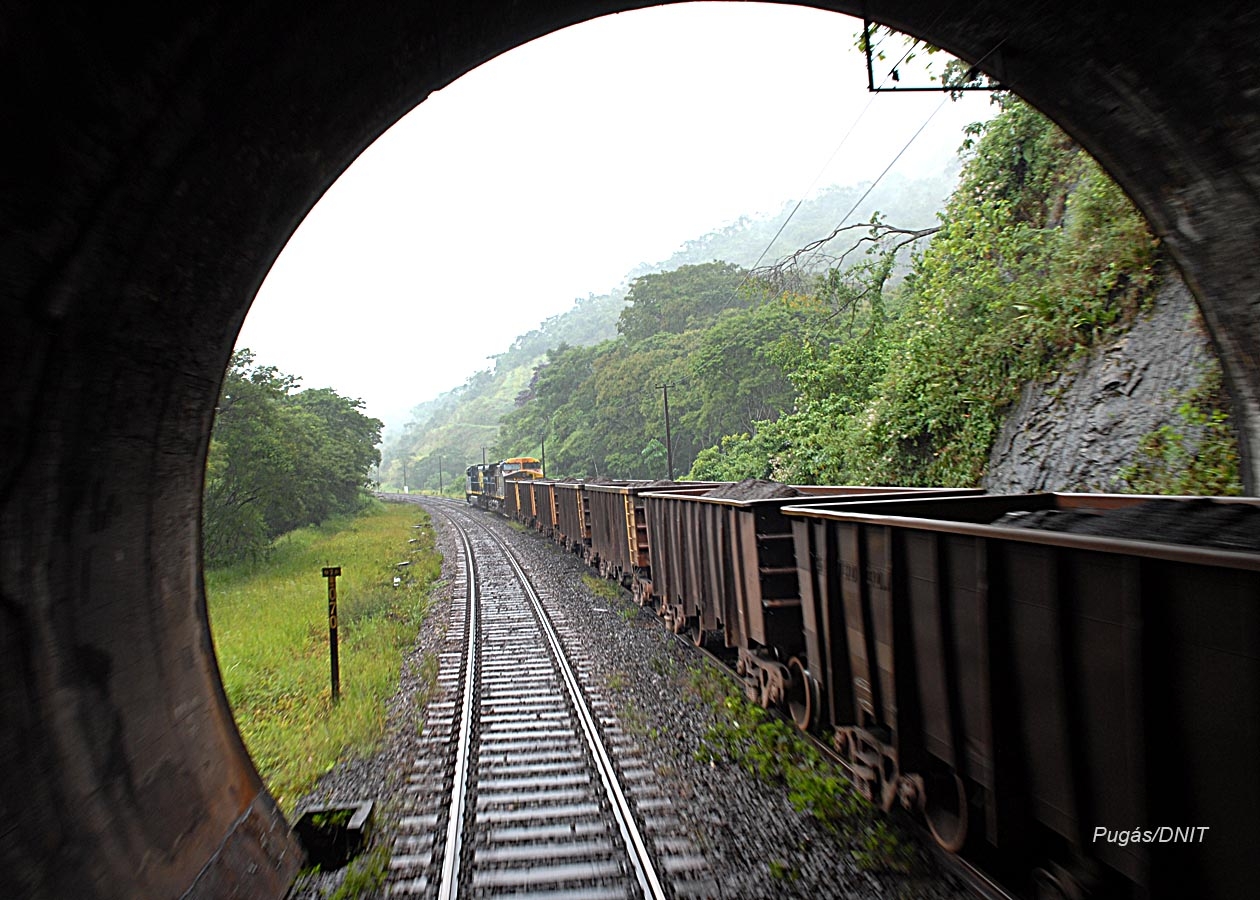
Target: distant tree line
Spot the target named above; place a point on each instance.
(459, 423)
(280, 458)
(704, 333)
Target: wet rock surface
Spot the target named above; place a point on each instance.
(1076, 431)
(757, 844)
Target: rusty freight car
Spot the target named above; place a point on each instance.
(1029, 687)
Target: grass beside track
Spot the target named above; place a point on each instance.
(773, 751)
(269, 621)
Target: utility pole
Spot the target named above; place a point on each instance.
(439, 474)
(405, 491)
(544, 457)
(669, 443)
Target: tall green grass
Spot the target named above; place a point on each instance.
(269, 621)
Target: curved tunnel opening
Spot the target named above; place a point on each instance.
(169, 158)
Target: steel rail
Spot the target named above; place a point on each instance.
(636, 847)
(448, 886)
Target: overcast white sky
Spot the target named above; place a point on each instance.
(551, 171)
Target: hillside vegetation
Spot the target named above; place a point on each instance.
(458, 424)
(895, 363)
(1039, 257)
(452, 428)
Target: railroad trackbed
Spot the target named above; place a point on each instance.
(526, 783)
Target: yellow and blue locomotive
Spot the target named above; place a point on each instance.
(487, 484)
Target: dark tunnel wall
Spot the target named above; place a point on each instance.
(157, 161)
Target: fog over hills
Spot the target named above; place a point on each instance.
(456, 424)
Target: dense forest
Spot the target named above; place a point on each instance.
(891, 362)
(280, 458)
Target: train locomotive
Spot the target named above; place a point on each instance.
(1027, 679)
(488, 484)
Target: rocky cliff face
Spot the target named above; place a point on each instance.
(1076, 431)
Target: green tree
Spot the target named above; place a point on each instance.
(738, 457)
(1038, 255)
(280, 458)
(877, 371)
(687, 298)
(738, 368)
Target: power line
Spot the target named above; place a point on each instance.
(833, 155)
(888, 167)
(813, 183)
(669, 443)
(913, 138)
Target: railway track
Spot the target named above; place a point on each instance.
(538, 791)
(509, 795)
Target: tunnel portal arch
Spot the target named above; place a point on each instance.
(159, 158)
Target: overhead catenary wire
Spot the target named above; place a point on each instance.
(946, 98)
(748, 275)
(814, 183)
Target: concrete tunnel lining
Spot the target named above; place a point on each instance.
(165, 157)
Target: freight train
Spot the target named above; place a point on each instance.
(486, 484)
(1064, 687)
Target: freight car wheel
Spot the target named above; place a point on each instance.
(708, 639)
(803, 696)
(945, 809)
(1057, 883)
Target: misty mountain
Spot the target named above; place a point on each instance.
(457, 424)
